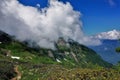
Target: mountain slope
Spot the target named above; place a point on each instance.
(107, 50)
(44, 62)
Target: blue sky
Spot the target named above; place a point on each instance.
(97, 15)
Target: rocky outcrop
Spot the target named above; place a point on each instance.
(74, 56)
(50, 54)
(5, 52)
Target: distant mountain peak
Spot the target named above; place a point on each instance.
(112, 35)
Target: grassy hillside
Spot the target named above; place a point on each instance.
(70, 61)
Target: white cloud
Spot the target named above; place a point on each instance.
(43, 26)
(90, 41)
(112, 35)
(111, 2)
(38, 5)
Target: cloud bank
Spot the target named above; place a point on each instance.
(111, 35)
(42, 26)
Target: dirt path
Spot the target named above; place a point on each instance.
(18, 77)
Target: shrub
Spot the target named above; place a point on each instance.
(118, 49)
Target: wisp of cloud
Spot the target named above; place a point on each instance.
(42, 26)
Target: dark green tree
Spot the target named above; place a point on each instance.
(118, 49)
